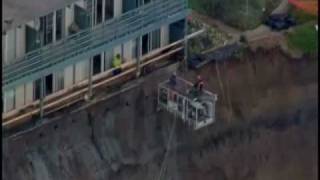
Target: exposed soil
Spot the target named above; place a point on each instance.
(267, 127)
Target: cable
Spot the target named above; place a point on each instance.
(168, 147)
(175, 113)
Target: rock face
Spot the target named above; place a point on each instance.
(266, 129)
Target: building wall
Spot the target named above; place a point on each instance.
(108, 55)
(68, 76)
(117, 7)
(128, 50)
(164, 35)
(58, 83)
(29, 93)
(10, 46)
(69, 17)
(117, 50)
(15, 46)
(20, 96)
(4, 45)
(20, 41)
(9, 100)
(82, 70)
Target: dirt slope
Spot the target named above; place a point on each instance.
(266, 129)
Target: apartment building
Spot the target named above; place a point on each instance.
(68, 41)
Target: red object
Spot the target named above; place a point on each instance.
(308, 6)
(199, 84)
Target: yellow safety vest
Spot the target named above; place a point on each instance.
(116, 62)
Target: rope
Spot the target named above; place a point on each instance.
(185, 64)
(228, 94)
(168, 147)
(220, 81)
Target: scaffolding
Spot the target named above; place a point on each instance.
(196, 109)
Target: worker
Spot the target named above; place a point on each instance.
(173, 79)
(116, 63)
(197, 87)
(199, 84)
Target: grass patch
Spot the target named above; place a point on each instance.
(304, 38)
(195, 5)
(236, 13)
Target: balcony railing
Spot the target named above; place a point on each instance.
(90, 42)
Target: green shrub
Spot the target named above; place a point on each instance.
(304, 38)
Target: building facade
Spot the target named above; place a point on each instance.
(54, 52)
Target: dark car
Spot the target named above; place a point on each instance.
(280, 21)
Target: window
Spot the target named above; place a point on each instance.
(81, 17)
(46, 23)
(145, 43)
(150, 41)
(96, 64)
(147, 1)
(99, 11)
(176, 31)
(48, 87)
(59, 24)
(129, 5)
(48, 84)
(109, 11)
(31, 39)
(37, 89)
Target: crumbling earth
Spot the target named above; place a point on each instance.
(266, 129)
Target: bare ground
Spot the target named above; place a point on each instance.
(266, 129)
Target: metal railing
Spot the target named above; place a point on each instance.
(92, 41)
(179, 100)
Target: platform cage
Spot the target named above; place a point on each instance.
(196, 109)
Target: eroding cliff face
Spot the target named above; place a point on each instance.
(266, 129)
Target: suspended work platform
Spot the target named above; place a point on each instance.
(196, 109)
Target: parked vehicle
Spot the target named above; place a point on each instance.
(280, 21)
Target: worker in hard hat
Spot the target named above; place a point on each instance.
(198, 86)
(116, 64)
(173, 79)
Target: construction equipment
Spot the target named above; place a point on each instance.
(196, 110)
(197, 61)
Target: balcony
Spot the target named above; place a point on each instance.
(90, 42)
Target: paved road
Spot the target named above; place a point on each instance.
(256, 37)
(282, 8)
(233, 32)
